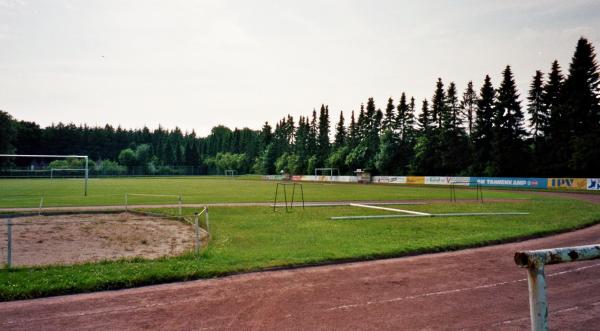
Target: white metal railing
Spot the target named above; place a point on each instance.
(179, 200)
(535, 261)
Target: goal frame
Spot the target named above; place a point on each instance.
(49, 156)
(230, 173)
(331, 171)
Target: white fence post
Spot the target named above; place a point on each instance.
(197, 228)
(180, 205)
(535, 262)
(41, 205)
(9, 237)
(206, 217)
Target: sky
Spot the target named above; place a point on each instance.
(198, 64)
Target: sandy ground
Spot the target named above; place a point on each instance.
(68, 239)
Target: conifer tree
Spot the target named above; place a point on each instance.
(424, 118)
(390, 117)
(453, 144)
(438, 104)
(323, 136)
(508, 148)
(581, 101)
(468, 106)
(453, 117)
(401, 117)
(537, 111)
(555, 152)
(483, 128)
(340, 132)
(352, 132)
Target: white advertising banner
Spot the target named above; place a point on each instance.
(389, 179)
(440, 180)
(593, 183)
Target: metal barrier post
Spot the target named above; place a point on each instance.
(275, 202)
(197, 228)
(538, 302)
(206, 217)
(40, 207)
(535, 261)
(302, 191)
(9, 237)
(285, 197)
(293, 191)
(180, 205)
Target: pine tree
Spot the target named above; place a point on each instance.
(390, 117)
(483, 128)
(555, 152)
(453, 117)
(312, 133)
(536, 108)
(265, 136)
(538, 120)
(509, 156)
(452, 141)
(402, 116)
(468, 106)
(438, 104)
(581, 101)
(323, 136)
(340, 132)
(424, 117)
(352, 132)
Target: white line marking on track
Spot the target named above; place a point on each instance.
(458, 290)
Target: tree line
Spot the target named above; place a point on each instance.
(476, 132)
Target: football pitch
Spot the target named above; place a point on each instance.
(200, 190)
(252, 238)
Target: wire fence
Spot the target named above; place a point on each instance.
(98, 171)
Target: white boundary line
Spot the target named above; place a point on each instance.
(427, 215)
(390, 209)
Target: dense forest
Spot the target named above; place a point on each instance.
(479, 132)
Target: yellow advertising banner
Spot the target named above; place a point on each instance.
(415, 180)
(567, 183)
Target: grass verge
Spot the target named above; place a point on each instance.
(256, 238)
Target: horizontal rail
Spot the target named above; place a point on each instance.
(153, 195)
(44, 156)
(557, 255)
(535, 261)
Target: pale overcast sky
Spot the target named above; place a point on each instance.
(197, 64)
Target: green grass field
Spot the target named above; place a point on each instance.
(254, 238)
(111, 191)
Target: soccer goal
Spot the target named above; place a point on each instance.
(324, 171)
(230, 173)
(84, 172)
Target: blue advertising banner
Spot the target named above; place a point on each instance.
(510, 182)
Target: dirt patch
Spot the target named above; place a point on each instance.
(78, 238)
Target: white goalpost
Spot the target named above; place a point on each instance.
(85, 170)
(325, 170)
(230, 173)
